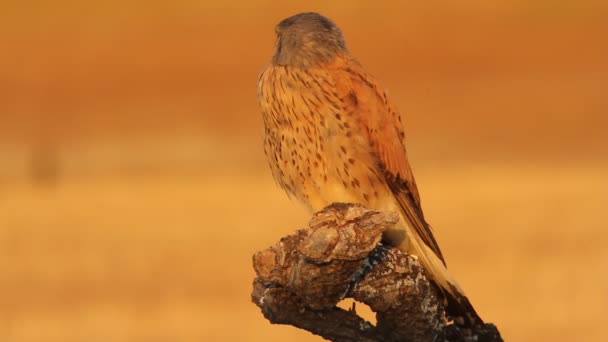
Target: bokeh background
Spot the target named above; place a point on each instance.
(133, 187)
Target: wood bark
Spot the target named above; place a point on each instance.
(340, 255)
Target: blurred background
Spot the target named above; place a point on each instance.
(134, 190)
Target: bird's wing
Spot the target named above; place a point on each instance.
(364, 96)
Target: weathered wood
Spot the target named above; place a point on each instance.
(340, 255)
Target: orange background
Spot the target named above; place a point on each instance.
(133, 187)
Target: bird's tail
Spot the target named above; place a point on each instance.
(457, 303)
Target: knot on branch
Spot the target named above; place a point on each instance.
(302, 277)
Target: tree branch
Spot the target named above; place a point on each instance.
(302, 278)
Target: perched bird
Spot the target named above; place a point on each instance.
(333, 135)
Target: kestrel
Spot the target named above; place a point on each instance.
(333, 135)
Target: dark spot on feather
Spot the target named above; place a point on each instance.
(353, 98)
(317, 98)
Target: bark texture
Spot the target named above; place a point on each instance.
(340, 255)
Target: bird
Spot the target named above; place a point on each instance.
(332, 134)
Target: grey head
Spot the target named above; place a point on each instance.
(307, 39)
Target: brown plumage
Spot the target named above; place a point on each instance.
(332, 135)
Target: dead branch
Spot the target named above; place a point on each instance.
(302, 278)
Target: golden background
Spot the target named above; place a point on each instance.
(134, 190)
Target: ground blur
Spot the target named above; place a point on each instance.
(133, 187)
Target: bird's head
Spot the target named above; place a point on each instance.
(307, 39)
